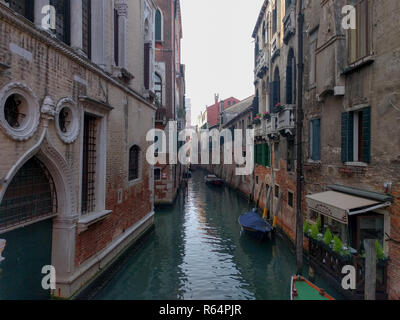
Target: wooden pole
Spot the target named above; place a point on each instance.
(370, 269)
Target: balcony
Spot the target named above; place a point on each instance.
(261, 65)
(331, 263)
(259, 129)
(289, 24)
(286, 122)
(275, 51)
(272, 126)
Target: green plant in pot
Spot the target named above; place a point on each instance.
(328, 237)
(314, 231)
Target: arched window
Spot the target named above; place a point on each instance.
(158, 89)
(158, 25)
(31, 195)
(134, 157)
(291, 78)
(275, 90)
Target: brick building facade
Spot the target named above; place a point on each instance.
(75, 109)
(171, 94)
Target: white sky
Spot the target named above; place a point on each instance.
(218, 49)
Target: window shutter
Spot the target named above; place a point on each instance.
(147, 65)
(268, 156)
(366, 135)
(316, 135)
(264, 155)
(116, 38)
(347, 136)
(255, 154)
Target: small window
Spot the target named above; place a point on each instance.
(158, 25)
(276, 156)
(134, 154)
(291, 156)
(256, 179)
(356, 136)
(290, 199)
(359, 39)
(315, 139)
(89, 164)
(276, 191)
(157, 174)
(63, 15)
(23, 7)
(158, 89)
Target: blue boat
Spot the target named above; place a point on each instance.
(254, 225)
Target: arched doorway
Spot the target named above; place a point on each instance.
(26, 210)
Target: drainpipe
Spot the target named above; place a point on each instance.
(299, 134)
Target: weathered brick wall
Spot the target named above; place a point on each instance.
(51, 72)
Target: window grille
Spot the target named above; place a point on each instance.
(86, 27)
(89, 164)
(62, 31)
(31, 195)
(23, 7)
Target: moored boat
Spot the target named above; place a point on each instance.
(213, 180)
(302, 289)
(254, 225)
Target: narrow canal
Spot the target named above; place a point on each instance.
(196, 251)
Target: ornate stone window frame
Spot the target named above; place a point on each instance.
(73, 132)
(32, 119)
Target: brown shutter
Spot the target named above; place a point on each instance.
(147, 65)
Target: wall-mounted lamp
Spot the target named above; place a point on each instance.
(388, 187)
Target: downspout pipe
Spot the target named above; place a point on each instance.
(299, 135)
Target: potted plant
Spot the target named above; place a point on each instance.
(340, 251)
(267, 116)
(257, 119)
(278, 107)
(380, 255)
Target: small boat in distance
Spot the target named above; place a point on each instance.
(254, 225)
(302, 289)
(213, 180)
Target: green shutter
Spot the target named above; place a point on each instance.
(347, 136)
(366, 135)
(268, 151)
(263, 155)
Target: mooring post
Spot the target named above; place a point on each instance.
(370, 269)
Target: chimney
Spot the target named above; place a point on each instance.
(216, 98)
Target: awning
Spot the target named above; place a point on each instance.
(339, 206)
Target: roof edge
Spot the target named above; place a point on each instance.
(381, 197)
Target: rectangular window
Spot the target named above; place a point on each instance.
(359, 39)
(63, 16)
(276, 156)
(276, 191)
(23, 7)
(157, 174)
(89, 164)
(147, 47)
(274, 19)
(315, 139)
(313, 58)
(86, 27)
(356, 136)
(290, 199)
(291, 155)
(116, 38)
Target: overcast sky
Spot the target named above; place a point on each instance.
(218, 49)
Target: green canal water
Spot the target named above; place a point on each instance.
(196, 251)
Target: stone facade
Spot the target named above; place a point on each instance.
(48, 75)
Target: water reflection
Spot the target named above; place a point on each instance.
(197, 252)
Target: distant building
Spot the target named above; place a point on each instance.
(214, 111)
